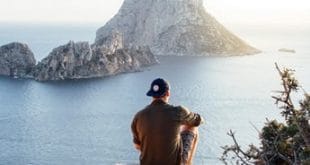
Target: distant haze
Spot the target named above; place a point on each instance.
(271, 12)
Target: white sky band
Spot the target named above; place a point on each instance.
(296, 12)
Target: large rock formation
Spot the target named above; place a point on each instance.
(174, 27)
(104, 58)
(16, 59)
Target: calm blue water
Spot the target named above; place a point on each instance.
(88, 121)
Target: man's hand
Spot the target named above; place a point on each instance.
(202, 120)
(138, 147)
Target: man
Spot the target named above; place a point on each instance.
(165, 134)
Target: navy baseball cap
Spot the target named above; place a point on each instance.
(159, 87)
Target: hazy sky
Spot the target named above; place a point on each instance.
(296, 12)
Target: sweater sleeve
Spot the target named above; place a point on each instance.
(187, 117)
(134, 131)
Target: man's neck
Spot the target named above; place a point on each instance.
(164, 99)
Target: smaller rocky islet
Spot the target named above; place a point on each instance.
(16, 60)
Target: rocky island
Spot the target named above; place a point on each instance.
(80, 60)
(130, 40)
(287, 50)
(174, 27)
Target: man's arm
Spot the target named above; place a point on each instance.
(134, 131)
(189, 118)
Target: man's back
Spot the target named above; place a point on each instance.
(157, 130)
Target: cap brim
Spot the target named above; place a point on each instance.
(152, 94)
(149, 93)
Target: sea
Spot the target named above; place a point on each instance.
(88, 121)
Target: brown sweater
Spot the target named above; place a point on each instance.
(156, 129)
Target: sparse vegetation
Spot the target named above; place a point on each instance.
(286, 143)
